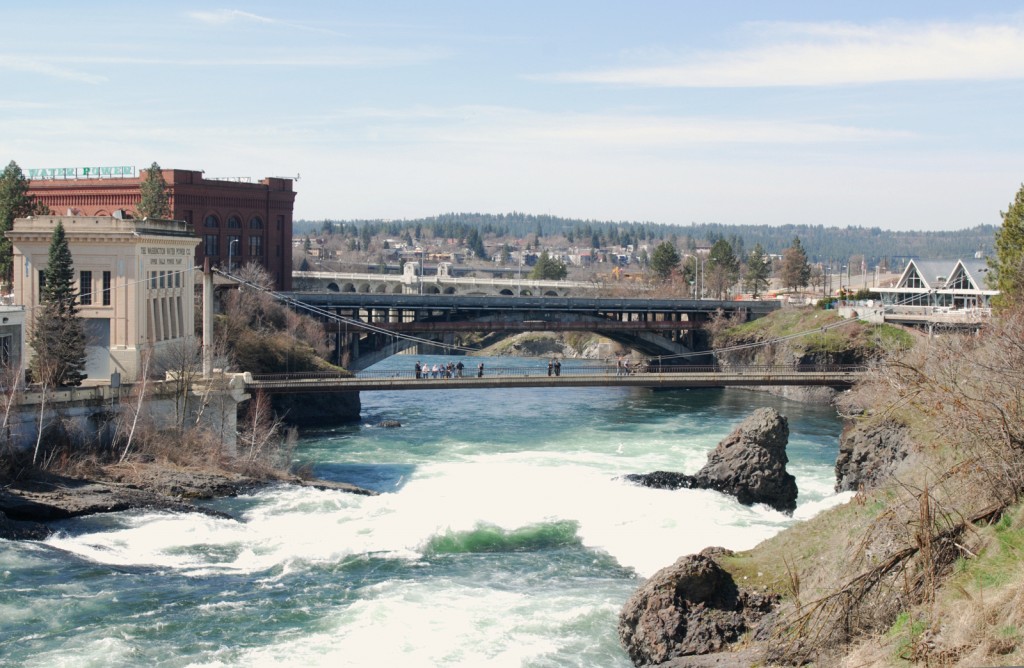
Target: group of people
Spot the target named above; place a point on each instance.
(450, 370)
(554, 366)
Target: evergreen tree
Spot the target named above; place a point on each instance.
(548, 269)
(1007, 267)
(154, 202)
(795, 272)
(759, 268)
(723, 268)
(15, 202)
(664, 260)
(58, 334)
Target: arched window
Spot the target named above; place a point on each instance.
(234, 221)
(211, 221)
(256, 224)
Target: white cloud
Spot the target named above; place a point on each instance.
(47, 68)
(222, 17)
(519, 127)
(792, 54)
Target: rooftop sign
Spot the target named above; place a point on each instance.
(51, 173)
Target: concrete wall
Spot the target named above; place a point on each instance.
(92, 412)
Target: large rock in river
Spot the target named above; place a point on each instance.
(750, 463)
(691, 607)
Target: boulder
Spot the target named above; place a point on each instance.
(692, 607)
(870, 453)
(750, 464)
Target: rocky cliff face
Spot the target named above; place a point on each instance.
(870, 453)
(750, 463)
(691, 607)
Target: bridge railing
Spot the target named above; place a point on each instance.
(574, 370)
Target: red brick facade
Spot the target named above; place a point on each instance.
(234, 220)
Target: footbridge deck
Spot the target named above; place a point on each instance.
(838, 376)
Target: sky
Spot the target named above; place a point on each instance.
(899, 115)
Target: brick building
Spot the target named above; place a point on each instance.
(237, 221)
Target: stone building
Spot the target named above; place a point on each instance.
(135, 278)
(238, 221)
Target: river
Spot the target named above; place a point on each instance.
(503, 537)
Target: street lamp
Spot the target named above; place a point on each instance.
(231, 248)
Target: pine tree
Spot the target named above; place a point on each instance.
(548, 269)
(1007, 267)
(759, 268)
(723, 268)
(795, 272)
(664, 260)
(154, 203)
(58, 335)
(15, 202)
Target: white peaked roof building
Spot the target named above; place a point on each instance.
(953, 284)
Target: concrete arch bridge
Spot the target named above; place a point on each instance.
(441, 283)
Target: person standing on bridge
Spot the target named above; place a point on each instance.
(551, 366)
(458, 369)
(480, 370)
(558, 367)
(419, 370)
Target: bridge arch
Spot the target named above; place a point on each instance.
(431, 290)
(364, 287)
(507, 292)
(348, 287)
(333, 287)
(550, 293)
(381, 288)
(449, 291)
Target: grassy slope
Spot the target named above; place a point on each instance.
(977, 615)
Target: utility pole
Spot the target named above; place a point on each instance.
(207, 319)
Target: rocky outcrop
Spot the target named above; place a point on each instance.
(27, 503)
(692, 607)
(870, 453)
(750, 463)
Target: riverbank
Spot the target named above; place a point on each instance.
(32, 500)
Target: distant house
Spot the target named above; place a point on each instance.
(953, 284)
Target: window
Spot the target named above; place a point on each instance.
(161, 279)
(256, 223)
(177, 279)
(234, 222)
(211, 245)
(152, 280)
(255, 246)
(42, 284)
(6, 343)
(106, 288)
(280, 222)
(85, 288)
(211, 221)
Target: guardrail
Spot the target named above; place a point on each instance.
(602, 370)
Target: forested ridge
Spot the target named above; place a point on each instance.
(819, 242)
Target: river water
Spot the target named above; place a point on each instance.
(503, 537)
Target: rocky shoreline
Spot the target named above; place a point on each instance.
(29, 503)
